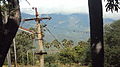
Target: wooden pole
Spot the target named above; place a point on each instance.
(40, 39)
(15, 53)
(27, 57)
(33, 57)
(9, 59)
(40, 35)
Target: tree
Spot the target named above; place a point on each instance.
(82, 50)
(24, 43)
(8, 29)
(75, 54)
(50, 60)
(112, 44)
(112, 35)
(96, 32)
(56, 43)
(67, 56)
(96, 28)
(112, 5)
(67, 43)
(47, 45)
(112, 55)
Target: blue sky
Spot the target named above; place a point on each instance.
(62, 6)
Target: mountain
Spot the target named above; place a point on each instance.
(65, 26)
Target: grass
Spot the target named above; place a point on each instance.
(59, 65)
(39, 66)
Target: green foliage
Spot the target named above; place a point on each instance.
(63, 44)
(56, 43)
(5, 7)
(112, 56)
(51, 65)
(83, 53)
(50, 60)
(24, 43)
(112, 33)
(112, 44)
(67, 56)
(67, 43)
(77, 54)
(47, 45)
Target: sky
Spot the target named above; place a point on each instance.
(62, 6)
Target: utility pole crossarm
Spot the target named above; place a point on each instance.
(28, 19)
(39, 34)
(49, 18)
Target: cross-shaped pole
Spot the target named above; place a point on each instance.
(39, 34)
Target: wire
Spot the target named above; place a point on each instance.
(28, 2)
(53, 36)
(50, 32)
(22, 23)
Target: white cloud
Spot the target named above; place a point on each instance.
(62, 6)
(57, 6)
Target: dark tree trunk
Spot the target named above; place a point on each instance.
(96, 32)
(9, 29)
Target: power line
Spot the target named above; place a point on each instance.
(39, 34)
(54, 36)
(28, 2)
(51, 33)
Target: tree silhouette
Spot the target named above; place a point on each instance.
(8, 29)
(96, 28)
(112, 5)
(96, 32)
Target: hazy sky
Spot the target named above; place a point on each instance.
(62, 6)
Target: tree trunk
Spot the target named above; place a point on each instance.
(9, 29)
(96, 32)
(9, 58)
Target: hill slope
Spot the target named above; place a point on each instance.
(65, 26)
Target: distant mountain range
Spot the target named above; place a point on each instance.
(65, 26)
